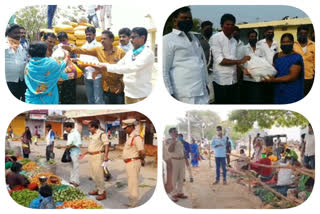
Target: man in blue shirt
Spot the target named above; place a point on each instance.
(187, 150)
(218, 144)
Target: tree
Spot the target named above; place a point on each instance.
(199, 120)
(245, 119)
(32, 19)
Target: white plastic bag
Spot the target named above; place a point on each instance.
(259, 68)
(59, 53)
(284, 176)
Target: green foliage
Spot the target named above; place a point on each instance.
(32, 19)
(245, 119)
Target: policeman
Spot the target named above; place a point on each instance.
(98, 150)
(133, 156)
(178, 160)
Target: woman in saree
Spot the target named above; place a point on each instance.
(289, 81)
(26, 141)
(195, 157)
(42, 75)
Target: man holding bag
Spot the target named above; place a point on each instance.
(73, 145)
(98, 150)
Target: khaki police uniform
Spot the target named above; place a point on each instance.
(178, 166)
(130, 155)
(96, 148)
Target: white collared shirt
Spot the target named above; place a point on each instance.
(137, 73)
(248, 51)
(223, 48)
(184, 65)
(15, 63)
(86, 58)
(268, 52)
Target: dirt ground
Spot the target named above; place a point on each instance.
(203, 195)
(117, 188)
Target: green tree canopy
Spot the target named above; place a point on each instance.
(245, 119)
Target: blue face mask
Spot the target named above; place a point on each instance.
(180, 138)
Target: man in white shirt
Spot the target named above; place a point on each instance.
(15, 62)
(93, 86)
(252, 91)
(136, 66)
(73, 144)
(269, 48)
(224, 49)
(124, 39)
(309, 154)
(184, 63)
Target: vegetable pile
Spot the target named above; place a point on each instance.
(24, 197)
(68, 194)
(35, 178)
(81, 204)
(25, 161)
(30, 166)
(265, 195)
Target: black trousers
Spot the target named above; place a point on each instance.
(226, 94)
(49, 154)
(18, 89)
(67, 92)
(252, 93)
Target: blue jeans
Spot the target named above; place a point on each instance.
(112, 98)
(309, 161)
(94, 91)
(221, 161)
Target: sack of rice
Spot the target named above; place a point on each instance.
(80, 42)
(63, 28)
(80, 27)
(45, 30)
(116, 38)
(74, 24)
(80, 35)
(71, 36)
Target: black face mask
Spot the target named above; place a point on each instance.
(302, 38)
(253, 42)
(185, 26)
(287, 48)
(270, 36)
(208, 33)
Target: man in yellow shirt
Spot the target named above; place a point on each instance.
(112, 83)
(306, 48)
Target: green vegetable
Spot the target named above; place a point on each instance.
(68, 194)
(24, 197)
(25, 161)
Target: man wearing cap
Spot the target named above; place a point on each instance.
(133, 155)
(178, 160)
(98, 150)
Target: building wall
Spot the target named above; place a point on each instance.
(57, 127)
(39, 123)
(18, 125)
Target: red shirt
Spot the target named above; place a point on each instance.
(264, 171)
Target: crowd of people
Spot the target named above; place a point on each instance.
(42, 72)
(97, 152)
(177, 154)
(261, 72)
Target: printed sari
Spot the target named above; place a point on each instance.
(41, 77)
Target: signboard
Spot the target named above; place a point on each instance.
(38, 116)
